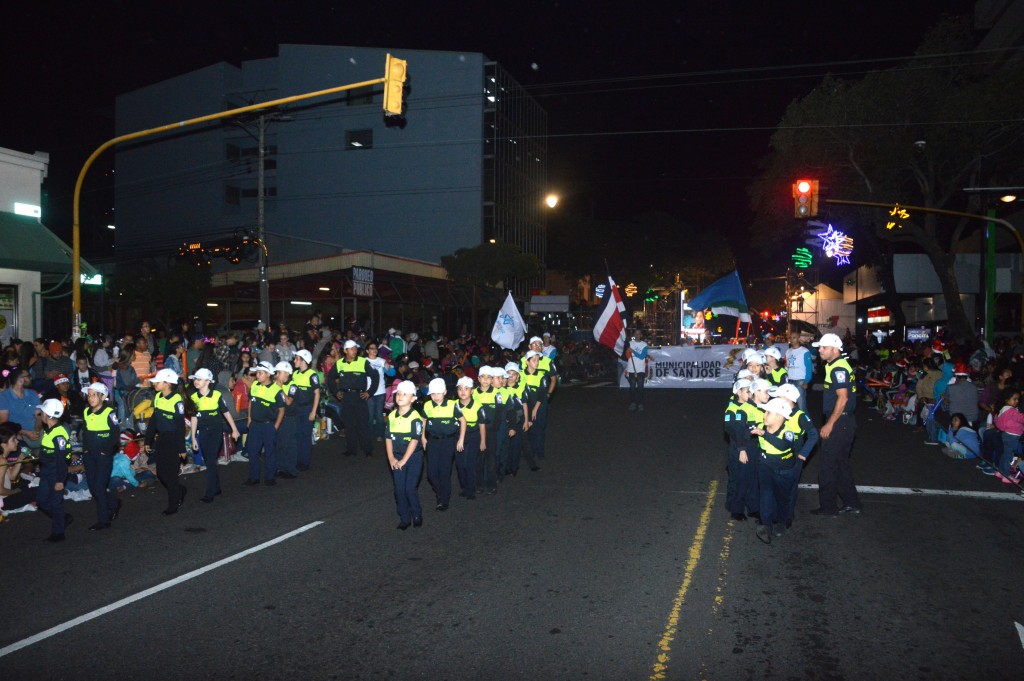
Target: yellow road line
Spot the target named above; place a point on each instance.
(665, 644)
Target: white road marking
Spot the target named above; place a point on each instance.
(1020, 633)
(53, 631)
(918, 491)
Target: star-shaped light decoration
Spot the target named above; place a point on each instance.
(836, 245)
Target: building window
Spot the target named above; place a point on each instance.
(358, 139)
(360, 95)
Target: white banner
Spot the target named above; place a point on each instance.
(692, 366)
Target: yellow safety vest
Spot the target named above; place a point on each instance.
(441, 418)
(98, 423)
(207, 407)
(49, 446)
(401, 428)
(471, 412)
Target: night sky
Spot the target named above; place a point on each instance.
(652, 106)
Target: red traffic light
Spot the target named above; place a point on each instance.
(805, 198)
(803, 186)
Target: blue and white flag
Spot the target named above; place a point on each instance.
(725, 296)
(509, 328)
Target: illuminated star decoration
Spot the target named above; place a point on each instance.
(897, 212)
(836, 245)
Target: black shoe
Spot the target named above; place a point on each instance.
(403, 526)
(117, 510)
(286, 475)
(270, 483)
(789, 524)
(850, 510)
(251, 483)
(207, 499)
(99, 526)
(68, 519)
(302, 468)
(514, 473)
(823, 513)
(181, 500)
(738, 516)
(470, 497)
(417, 522)
(764, 534)
(54, 538)
(534, 468)
(756, 515)
(169, 511)
(442, 507)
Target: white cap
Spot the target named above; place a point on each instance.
(829, 340)
(392, 331)
(740, 385)
(536, 339)
(757, 358)
(485, 371)
(98, 387)
(760, 384)
(262, 366)
(745, 373)
(787, 390)
(511, 366)
(414, 336)
(166, 376)
(747, 354)
(283, 366)
(52, 408)
(306, 355)
(531, 354)
(349, 344)
(414, 365)
(202, 375)
(464, 382)
(407, 387)
(546, 334)
(779, 406)
(437, 386)
(773, 352)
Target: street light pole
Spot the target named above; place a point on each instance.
(261, 223)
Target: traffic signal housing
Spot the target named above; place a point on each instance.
(805, 198)
(394, 85)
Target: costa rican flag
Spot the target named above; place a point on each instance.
(609, 321)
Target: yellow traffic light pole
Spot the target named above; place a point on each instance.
(392, 105)
(956, 213)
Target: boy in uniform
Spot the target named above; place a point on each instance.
(403, 434)
(741, 492)
(778, 471)
(54, 452)
(442, 427)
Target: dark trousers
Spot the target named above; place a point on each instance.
(168, 467)
(211, 440)
(742, 493)
(835, 477)
(407, 496)
(776, 492)
(50, 501)
(636, 387)
(285, 446)
(97, 472)
(440, 456)
(261, 436)
(303, 441)
(356, 417)
(514, 450)
(465, 463)
(487, 461)
(535, 435)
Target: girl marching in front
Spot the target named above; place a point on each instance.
(207, 427)
(442, 427)
(54, 452)
(403, 442)
(166, 428)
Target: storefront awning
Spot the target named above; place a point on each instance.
(29, 245)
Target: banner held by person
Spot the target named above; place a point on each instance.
(509, 328)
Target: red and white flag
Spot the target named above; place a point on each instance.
(609, 321)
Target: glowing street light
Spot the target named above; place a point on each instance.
(551, 200)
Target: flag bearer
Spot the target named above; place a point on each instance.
(403, 437)
(101, 440)
(442, 429)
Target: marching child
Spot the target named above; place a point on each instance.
(403, 442)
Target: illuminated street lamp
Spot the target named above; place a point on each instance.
(551, 200)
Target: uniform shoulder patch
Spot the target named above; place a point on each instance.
(841, 375)
(788, 436)
(728, 416)
(113, 418)
(180, 407)
(60, 442)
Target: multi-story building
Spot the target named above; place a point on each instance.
(467, 165)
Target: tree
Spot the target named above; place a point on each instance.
(915, 134)
(487, 265)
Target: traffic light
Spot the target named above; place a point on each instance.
(805, 198)
(394, 85)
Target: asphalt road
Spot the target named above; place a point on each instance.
(616, 561)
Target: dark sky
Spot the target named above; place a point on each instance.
(652, 106)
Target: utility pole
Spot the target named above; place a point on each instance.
(261, 223)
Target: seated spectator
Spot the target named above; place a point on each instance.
(74, 403)
(142, 362)
(962, 441)
(14, 490)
